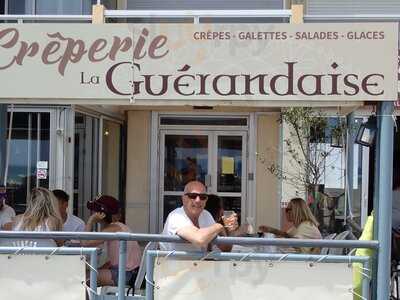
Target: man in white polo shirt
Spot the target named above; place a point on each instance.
(71, 222)
(192, 222)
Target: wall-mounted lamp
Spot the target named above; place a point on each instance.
(336, 141)
(366, 133)
(337, 133)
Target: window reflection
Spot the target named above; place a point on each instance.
(229, 164)
(328, 199)
(51, 7)
(111, 159)
(185, 160)
(30, 133)
(86, 158)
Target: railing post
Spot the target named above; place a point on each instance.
(122, 270)
(149, 276)
(365, 281)
(374, 265)
(349, 167)
(93, 272)
(3, 142)
(384, 213)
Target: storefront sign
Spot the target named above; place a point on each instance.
(215, 280)
(42, 164)
(313, 62)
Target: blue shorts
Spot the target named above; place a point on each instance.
(130, 276)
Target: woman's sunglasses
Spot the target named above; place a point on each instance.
(193, 196)
(288, 209)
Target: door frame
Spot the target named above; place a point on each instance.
(248, 200)
(212, 163)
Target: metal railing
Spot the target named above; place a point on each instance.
(46, 17)
(208, 13)
(164, 14)
(354, 17)
(143, 237)
(151, 254)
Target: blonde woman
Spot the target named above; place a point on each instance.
(305, 226)
(42, 214)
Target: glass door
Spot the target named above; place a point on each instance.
(86, 157)
(184, 158)
(216, 158)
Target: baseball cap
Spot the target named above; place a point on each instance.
(104, 203)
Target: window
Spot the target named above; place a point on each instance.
(29, 145)
(50, 7)
(203, 121)
(111, 161)
(354, 7)
(204, 4)
(332, 182)
(86, 162)
(97, 160)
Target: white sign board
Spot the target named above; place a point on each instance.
(35, 278)
(309, 62)
(42, 164)
(199, 280)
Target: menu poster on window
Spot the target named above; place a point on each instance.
(228, 165)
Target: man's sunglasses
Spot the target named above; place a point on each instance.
(193, 196)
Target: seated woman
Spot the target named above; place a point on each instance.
(107, 213)
(41, 214)
(304, 223)
(215, 207)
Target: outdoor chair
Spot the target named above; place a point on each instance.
(345, 235)
(142, 268)
(394, 281)
(133, 287)
(324, 251)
